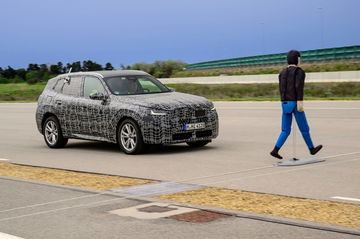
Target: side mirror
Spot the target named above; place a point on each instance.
(98, 96)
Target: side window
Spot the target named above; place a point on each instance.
(59, 85)
(73, 87)
(92, 85)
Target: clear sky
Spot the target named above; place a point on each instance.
(125, 32)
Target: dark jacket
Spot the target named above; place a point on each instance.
(291, 84)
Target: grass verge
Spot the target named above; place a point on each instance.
(22, 92)
(261, 92)
(343, 214)
(70, 178)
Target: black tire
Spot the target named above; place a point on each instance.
(60, 141)
(198, 144)
(137, 145)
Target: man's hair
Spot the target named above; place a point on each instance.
(292, 57)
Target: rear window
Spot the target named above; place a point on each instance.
(58, 85)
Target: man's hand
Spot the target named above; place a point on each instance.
(300, 106)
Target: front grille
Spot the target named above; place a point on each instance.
(181, 136)
(188, 113)
(206, 133)
(199, 113)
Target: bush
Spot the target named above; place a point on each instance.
(4, 80)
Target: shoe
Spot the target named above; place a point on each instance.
(314, 151)
(275, 153)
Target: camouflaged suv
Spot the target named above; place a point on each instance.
(130, 108)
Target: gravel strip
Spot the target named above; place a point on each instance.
(344, 214)
(70, 178)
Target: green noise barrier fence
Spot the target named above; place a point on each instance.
(338, 53)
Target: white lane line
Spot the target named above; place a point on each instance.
(7, 236)
(347, 199)
(3, 160)
(53, 202)
(280, 172)
(337, 155)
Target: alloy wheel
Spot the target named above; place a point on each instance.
(51, 132)
(128, 137)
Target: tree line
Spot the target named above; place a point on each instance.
(35, 73)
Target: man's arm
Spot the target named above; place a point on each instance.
(299, 87)
(282, 83)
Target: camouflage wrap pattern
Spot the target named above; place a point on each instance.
(84, 118)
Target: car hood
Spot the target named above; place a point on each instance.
(165, 101)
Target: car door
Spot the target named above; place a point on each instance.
(67, 104)
(94, 113)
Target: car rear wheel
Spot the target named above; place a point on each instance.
(198, 143)
(130, 137)
(53, 134)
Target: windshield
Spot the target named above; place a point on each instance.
(135, 85)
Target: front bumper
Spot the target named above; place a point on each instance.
(169, 129)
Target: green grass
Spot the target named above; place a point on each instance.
(22, 92)
(258, 92)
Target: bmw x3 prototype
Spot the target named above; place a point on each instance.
(129, 108)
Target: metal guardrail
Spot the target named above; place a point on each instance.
(337, 53)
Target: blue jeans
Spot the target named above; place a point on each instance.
(289, 108)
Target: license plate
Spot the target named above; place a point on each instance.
(194, 126)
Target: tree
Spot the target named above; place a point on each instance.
(123, 67)
(161, 69)
(61, 67)
(76, 67)
(142, 66)
(9, 73)
(91, 66)
(54, 69)
(33, 67)
(57, 68)
(21, 73)
(108, 67)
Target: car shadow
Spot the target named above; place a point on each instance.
(93, 145)
(175, 149)
(151, 149)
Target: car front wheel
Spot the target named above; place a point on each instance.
(130, 138)
(53, 134)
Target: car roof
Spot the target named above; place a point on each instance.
(104, 74)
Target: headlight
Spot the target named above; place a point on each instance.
(158, 113)
(211, 106)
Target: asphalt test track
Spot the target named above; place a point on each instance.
(238, 158)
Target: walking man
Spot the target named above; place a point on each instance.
(291, 84)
